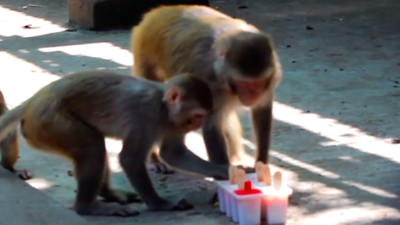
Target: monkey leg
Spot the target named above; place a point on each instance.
(89, 175)
(142, 67)
(10, 153)
(113, 195)
(262, 122)
(132, 158)
(86, 148)
(157, 166)
(174, 152)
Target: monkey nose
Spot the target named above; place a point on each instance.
(248, 99)
(196, 123)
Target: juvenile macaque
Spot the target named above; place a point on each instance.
(72, 116)
(10, 147)
(236, 60)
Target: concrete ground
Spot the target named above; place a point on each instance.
(336, 111)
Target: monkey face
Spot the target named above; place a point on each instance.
(249, 91)
(195, 119)
(248, 65)
(187, 120)
(186, 113)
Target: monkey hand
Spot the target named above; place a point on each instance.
(222, 173)
(247, 169)
(167, 205)
(160, 168)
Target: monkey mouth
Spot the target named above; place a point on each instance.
(248, 92)
(191, 125)
(248, 101)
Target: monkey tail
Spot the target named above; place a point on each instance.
(11, 119)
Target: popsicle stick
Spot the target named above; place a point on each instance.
(259, 170)
(266, 173)
(277, 180)
(232, 172)
(240, 178)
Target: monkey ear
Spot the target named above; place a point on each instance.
(221, 54)
(173, 95)
(222, 49)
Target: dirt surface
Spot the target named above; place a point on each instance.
(336, 111)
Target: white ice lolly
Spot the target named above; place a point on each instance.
(221, 195)
(276, 200)
(224, 196)
(276, 204)
(234, 206)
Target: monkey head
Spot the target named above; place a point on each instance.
(248, 63)
(189, 101)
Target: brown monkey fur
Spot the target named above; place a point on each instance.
(237, 60)
(9, 147)
(71, 116)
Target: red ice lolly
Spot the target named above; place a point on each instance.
(248, 204)
(248, 189)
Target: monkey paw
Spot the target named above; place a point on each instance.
(166, 205)
(220, 177)
(213, 199)
(24, 174)
(160, 168)
(106, 209)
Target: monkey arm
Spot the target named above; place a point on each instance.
(174, 152)
(132, 158)
(215, 140)
(262, 123)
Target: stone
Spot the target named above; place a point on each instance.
(22, 204)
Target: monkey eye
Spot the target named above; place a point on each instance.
(198, 116)
(188, 122)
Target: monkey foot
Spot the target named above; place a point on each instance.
(106, 209)
(23, 174)
(166, 205)
(213, 199)
(120, 196)
(160, 168)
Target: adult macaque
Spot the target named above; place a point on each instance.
(236, 60)
(9, 147)
(72, 116)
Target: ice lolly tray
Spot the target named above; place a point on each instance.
(255, 202)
